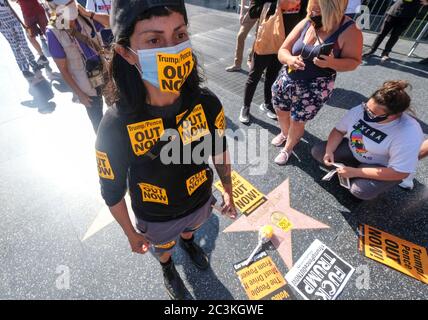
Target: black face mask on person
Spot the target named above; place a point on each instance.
(369, 118)
(317, 21)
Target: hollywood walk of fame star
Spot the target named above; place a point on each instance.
(278, 200)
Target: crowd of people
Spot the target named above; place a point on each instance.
(137, 55)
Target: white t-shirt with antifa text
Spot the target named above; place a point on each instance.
(395, 144)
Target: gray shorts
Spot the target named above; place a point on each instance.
(163, 236)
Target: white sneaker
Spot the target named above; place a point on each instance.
(233, 69)
(408, 183)
(244, 116)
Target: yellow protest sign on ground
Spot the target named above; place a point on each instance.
(262, 280)
(394, 252)
(246, 197)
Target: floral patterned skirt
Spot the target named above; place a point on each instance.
(303, 98)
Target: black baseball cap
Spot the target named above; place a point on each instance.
(124, 12)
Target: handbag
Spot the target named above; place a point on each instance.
(271, 32)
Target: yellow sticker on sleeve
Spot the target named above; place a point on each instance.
(220, 123)
(104, 168)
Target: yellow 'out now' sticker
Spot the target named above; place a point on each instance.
(144, 135)
(394, 252)
(220, 123)
(104, 168)
(173, 70)
(153, 193)
(166, 246)
(246, 197)
(195, 181)
(194, 127)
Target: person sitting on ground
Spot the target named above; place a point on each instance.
(382, 142)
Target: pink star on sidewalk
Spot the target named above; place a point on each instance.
(278, 200)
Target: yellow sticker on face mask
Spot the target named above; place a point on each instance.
(195, 181)
(173, 70)
(153, 193)
(144, 135)
(194, 127)
(104, 168)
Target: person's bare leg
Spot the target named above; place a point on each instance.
(284, 121)
(423, 153)
(36, 45)
(295, 133)
(165, 257)
(187, 235)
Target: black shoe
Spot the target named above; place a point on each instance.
(425, 61)
(270, 111)
(28, 74)
(173, 283)
(196, 253)
(368, 53)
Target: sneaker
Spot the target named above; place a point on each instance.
(279, 140)
(244, 116)
(35, 66)
(282, 158)
(270, 111)
(43, 61)
(233, 69)
(368, 53)
(384, 58)
(198, 256)
(424, 61)
(173, 283)
(408, 183)
(28, 75)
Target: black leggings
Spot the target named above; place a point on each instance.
(395, 25)
(271, 64)
(95, 112)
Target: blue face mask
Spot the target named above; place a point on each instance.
(166, 68)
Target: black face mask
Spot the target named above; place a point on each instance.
(317, 22)
(377, 119)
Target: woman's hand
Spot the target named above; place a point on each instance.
(325, 61)
(228, 206)
(138, 242)
(85, 99)
(328, 158)
(348, 172)
(296, 63)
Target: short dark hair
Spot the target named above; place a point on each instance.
(130, 90)
(393, 96)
